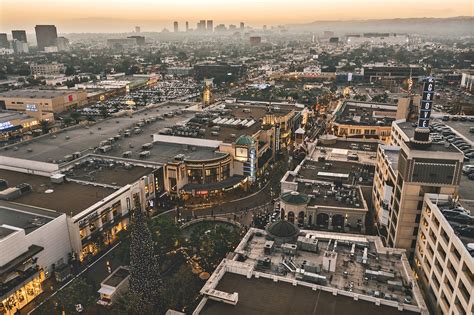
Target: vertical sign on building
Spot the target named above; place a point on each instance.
(426, 103)
(253, 160)
(277, 137)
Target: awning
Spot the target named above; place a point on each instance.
(106, 290)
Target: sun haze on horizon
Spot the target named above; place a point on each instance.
(119, 15)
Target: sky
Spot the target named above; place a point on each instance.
(153, 15)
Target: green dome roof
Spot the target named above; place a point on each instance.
(282, 229)
(244, 140)
(295, 198)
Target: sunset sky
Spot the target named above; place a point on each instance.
(153, 15)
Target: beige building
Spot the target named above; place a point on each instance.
(444, 265)
(353, 119)
(54, 101)
(402, 180)
(47, 69)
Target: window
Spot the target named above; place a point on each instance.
(417, 218)
(413, 244)
(415, 231)
(464, 291)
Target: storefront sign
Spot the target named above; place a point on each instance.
(5, 125)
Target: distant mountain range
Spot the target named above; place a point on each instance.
(460, 26)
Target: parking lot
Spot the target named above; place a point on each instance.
(461, 126)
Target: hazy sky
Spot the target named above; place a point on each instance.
(153, 15)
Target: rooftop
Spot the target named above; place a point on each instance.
(323, 273)
(331, 170)
(365, 113)
(264, 296)
(69, 197)
(35, 93)
(23, 217)
(11, 115)
(408, 128)
(107, 172)
(85, 139)
(392, 153)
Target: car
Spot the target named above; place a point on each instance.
(471, 176)
(471, 119)
(463, 118)
(445, 118)
(467, 159)
(455, 118)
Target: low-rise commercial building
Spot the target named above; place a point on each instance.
(33, 241)
(53, 101)
(47, 69)
(286, 271)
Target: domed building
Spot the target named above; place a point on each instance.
(293, 206)
(282, 231)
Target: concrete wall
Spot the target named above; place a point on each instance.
(28, 166)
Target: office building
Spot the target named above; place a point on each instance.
(175, 26)
(255, 40)
(381, 71)
(242, 26)
(19, 35)
(4, 41)
(20, 47)
(46, 36)
(47, 69)
(187, 26)
(420, 167)
(201, 26)
(210, 25)
(63, 44)
(14, 125)
(137, 29)
(444, 263)
(139, 39)
(467, 81)
(282, 270)
(53, 101)
(122, 43)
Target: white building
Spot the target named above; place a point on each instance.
(32, 242)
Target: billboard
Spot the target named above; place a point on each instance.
(426, 103)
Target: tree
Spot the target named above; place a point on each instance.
(79, 292)
(45, 126)
(69, 71)
(166, 234)
(145, 282)
(76, 116)
(104, 112)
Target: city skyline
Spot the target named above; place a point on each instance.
(121, 16)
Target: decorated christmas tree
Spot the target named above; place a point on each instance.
(145, 282)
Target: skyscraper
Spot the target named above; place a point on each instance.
(175, 26)
(19, 35)
(4, 41)
(137, 29)
(201, 26)
(46, 35)
(210, 26)
(187, 26)
(242, 26)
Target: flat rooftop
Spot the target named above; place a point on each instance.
(323, 273)
(365, 113)
(326, 195)
(393, 154)
(106, 172)
(85, 139)
(310, 170)
(35, 93)
(23, 217)
(265, 297)
(367, 146)
(116, 277)
(69, 197)
(10, 115)
(408, 128)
